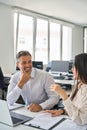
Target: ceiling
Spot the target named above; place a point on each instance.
(74, 11)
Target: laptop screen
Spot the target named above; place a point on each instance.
(8, 116)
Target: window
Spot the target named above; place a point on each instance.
(45, 38)
(54, 41)
(41, 52)
(66, 43)
(25, 33)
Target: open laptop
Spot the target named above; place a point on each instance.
(11, 118)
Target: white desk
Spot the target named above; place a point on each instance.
(62, 126)
(19, 127)
(64, 81)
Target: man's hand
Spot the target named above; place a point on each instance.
(23, 79)
(34, 107)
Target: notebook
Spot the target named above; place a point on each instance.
(11, 118)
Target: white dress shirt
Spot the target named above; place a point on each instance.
(36, 90)
(77, 108)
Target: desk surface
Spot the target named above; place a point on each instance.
(25, 111)
(62, 81)
(71, 82)
(19, 127)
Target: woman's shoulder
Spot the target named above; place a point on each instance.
(84, 89)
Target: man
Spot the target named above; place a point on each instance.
(32, 84)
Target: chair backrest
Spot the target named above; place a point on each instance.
(2, 84)
(1, 74)
(37, 64)
(48, 67)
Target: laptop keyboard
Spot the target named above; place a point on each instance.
(16, 120)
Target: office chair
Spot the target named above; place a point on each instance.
(71, 62)
(3, 84)
(48, 68)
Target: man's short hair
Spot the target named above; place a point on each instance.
(22, 53)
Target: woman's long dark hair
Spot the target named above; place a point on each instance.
(81, 68)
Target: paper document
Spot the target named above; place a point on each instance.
(70, 125)
(45, 121)
(15, 106)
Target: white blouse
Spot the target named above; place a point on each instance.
(77, 108)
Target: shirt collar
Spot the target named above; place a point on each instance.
(33, 72)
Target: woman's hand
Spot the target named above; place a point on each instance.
(57, 89)
(55, 112)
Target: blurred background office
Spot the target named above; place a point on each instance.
(50, 30)
(54, 31)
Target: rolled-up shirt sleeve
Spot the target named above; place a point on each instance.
(50, 103)
(14, 91)
(53, 98)
(13, 95)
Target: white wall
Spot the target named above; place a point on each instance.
(77, 40)
(7, 43)
(6, 39)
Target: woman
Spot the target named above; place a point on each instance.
(76, 104)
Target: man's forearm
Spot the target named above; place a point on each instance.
(48, 104)
(13, 95)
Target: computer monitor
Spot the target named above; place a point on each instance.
(71, 62)
(60, 66)
(38, 64)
